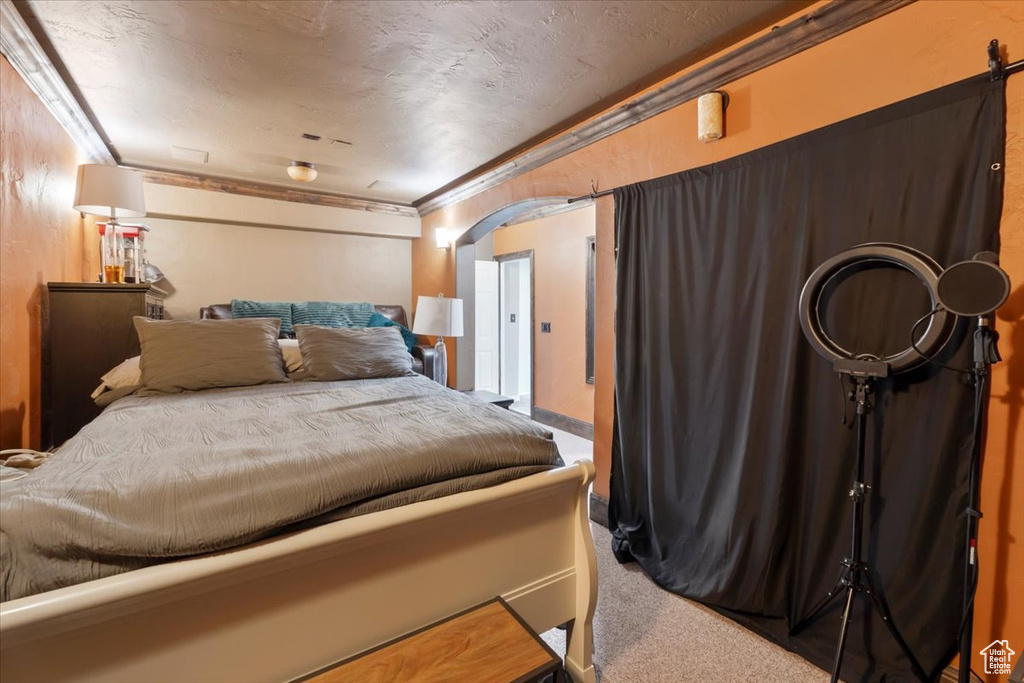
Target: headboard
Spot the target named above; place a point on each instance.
(392, 312)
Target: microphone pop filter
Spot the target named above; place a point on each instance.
(973, 288)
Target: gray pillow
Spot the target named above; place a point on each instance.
(353, 353)
(186, 355)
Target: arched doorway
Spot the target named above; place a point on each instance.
(469, 253)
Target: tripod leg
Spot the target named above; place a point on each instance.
(883, 610)
(837, 665)
(821, 605)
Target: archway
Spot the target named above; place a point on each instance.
(465, 268)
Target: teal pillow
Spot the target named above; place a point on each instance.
(332, 314)
(380, 320)
(282, 310)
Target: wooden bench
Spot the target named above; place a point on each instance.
(488, 643)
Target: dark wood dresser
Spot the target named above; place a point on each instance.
(88, 330)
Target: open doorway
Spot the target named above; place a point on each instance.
(503, 329)
(515, 299)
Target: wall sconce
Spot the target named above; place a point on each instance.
(444, 238)
(711, 115)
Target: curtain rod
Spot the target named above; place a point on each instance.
(996, 71)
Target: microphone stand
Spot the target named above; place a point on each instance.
(986, 353)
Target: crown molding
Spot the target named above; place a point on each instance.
(786, 40)
(19, 45)
(201, 182)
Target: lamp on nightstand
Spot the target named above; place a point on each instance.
(114, 192)
(440, 316)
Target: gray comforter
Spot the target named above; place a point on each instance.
(158, 478)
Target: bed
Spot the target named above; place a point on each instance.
(364, 547)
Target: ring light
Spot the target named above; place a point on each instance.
(921, 265)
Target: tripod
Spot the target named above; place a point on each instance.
(856, 573)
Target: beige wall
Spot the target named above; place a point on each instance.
(560, 281)
(167, 201)
(42, 239)
(214, 247)
(914, 49)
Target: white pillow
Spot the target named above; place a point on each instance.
(128, 374)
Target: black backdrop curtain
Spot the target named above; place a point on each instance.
(730, 464)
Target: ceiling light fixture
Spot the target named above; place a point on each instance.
(302, 171)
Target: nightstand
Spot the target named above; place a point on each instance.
(87, 331)
(492, 398)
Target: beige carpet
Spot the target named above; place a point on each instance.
(643, 634)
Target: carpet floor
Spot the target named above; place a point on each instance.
(643, 634)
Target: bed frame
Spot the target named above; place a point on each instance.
(288, 606)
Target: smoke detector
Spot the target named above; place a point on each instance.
(302, 171)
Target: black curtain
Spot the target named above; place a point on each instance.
(731, 463)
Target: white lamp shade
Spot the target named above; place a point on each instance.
(109, 191)
(438, 316)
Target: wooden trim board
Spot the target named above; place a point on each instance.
(784, 41)
(195, 181)
(564, 422)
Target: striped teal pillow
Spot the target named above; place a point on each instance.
(282, 310)
(332, 314)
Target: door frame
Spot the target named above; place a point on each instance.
(526, 255)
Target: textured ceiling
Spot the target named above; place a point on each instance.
(424, 91)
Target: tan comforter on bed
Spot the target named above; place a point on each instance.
(158, 478)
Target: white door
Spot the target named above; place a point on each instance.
(487, 321)
(515, 331)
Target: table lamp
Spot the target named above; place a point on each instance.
(116, 193)
(440, 316)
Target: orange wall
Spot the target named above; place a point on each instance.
(560, 287)
(910, 51)
(42, 239)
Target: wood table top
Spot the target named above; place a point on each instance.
(487, 644)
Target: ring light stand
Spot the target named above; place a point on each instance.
(864, 369)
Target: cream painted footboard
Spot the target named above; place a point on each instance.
(279, 609)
